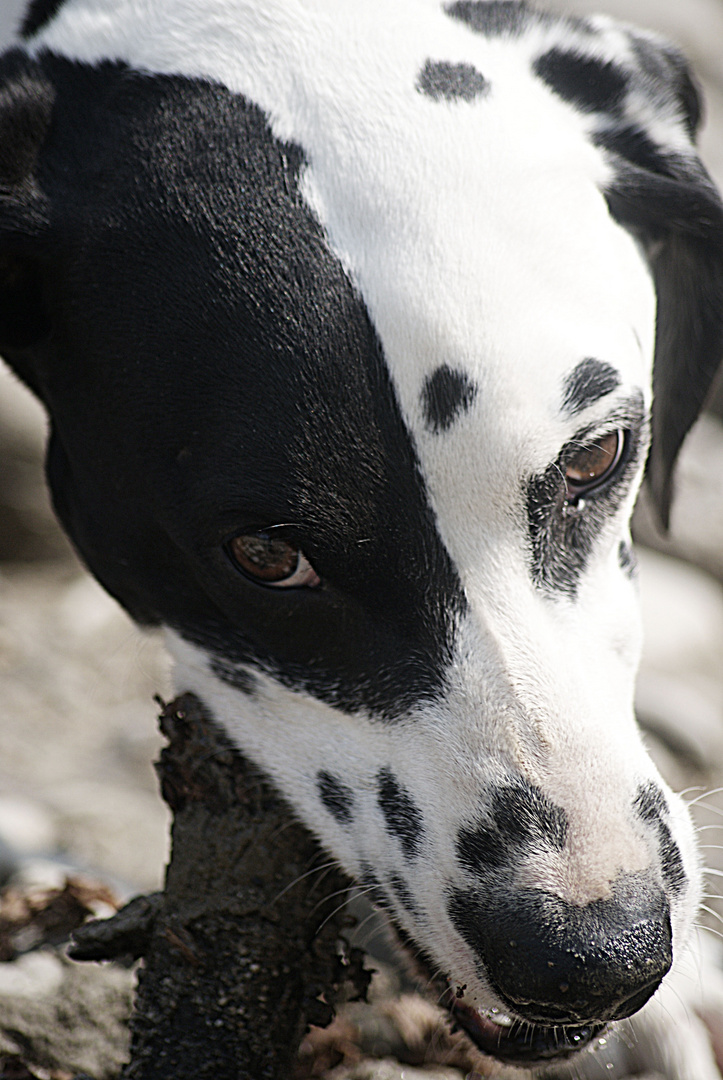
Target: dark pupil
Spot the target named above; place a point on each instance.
(272, 560)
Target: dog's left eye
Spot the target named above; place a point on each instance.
(594, 464)
(271, 561)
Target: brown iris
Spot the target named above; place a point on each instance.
(271, 560)
(593, 464)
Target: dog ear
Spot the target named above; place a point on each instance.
(662, 193)
(26, 102)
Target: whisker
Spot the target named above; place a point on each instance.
(340, 907)
(712, 809)
(704, 907)
(301, 877)
(695, 787)
(705, 794)
(708, 929)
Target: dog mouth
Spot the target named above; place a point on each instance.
(507, 1039)
(517, 1042)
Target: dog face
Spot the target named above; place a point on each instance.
(347, 325)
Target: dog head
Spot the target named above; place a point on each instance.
(346, 326)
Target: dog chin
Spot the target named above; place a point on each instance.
(504, 1037)
(518, 1042)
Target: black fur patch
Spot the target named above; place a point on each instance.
(588, 83)
(39, 13)
(446, 393)
(442, 81)
(494, 18)
(627, 559)
(336, 797)
(401, 814)
(26, 103)
(587, 383)
(373, 889)
(403, 894)
(652, 808)
(234, 676)
(633, 144)
(563, 533)
(249, 389)
(666, 66)
(520, 817)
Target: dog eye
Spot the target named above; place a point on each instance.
(594, 464)
(272, 561)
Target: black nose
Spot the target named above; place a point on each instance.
(553, 962)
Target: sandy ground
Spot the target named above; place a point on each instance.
(77, 719)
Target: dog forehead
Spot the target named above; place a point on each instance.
(461, 194)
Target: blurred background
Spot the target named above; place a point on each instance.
(77, 718)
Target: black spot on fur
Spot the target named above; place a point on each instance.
(674, 874)
(39, 13)
(520, 817)
(587, 383)
(401, 814)
(234, 676)
(495, 17)
(588, 83)
(481, 848)
(523, 813)
(450, 82)
(633, 144)
(627, 559)
(373, 889)
(666, 67)
(651, 806)
(402, 892)
(336, 797)
(445, 394)
(563, 533)
(650, 803)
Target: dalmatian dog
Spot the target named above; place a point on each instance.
(356, 324)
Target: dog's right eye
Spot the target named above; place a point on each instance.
(271, 560)
(594, 464)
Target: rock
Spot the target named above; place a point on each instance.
(26, 826)
(61, 1015)
(388, 1069)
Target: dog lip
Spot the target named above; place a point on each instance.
(517, 1042)
(507, 1039)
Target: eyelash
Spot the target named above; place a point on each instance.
(599, 459)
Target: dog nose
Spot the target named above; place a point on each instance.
(554, 962)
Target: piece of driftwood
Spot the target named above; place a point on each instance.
(240, 950)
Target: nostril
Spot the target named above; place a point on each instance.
(555, 962)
